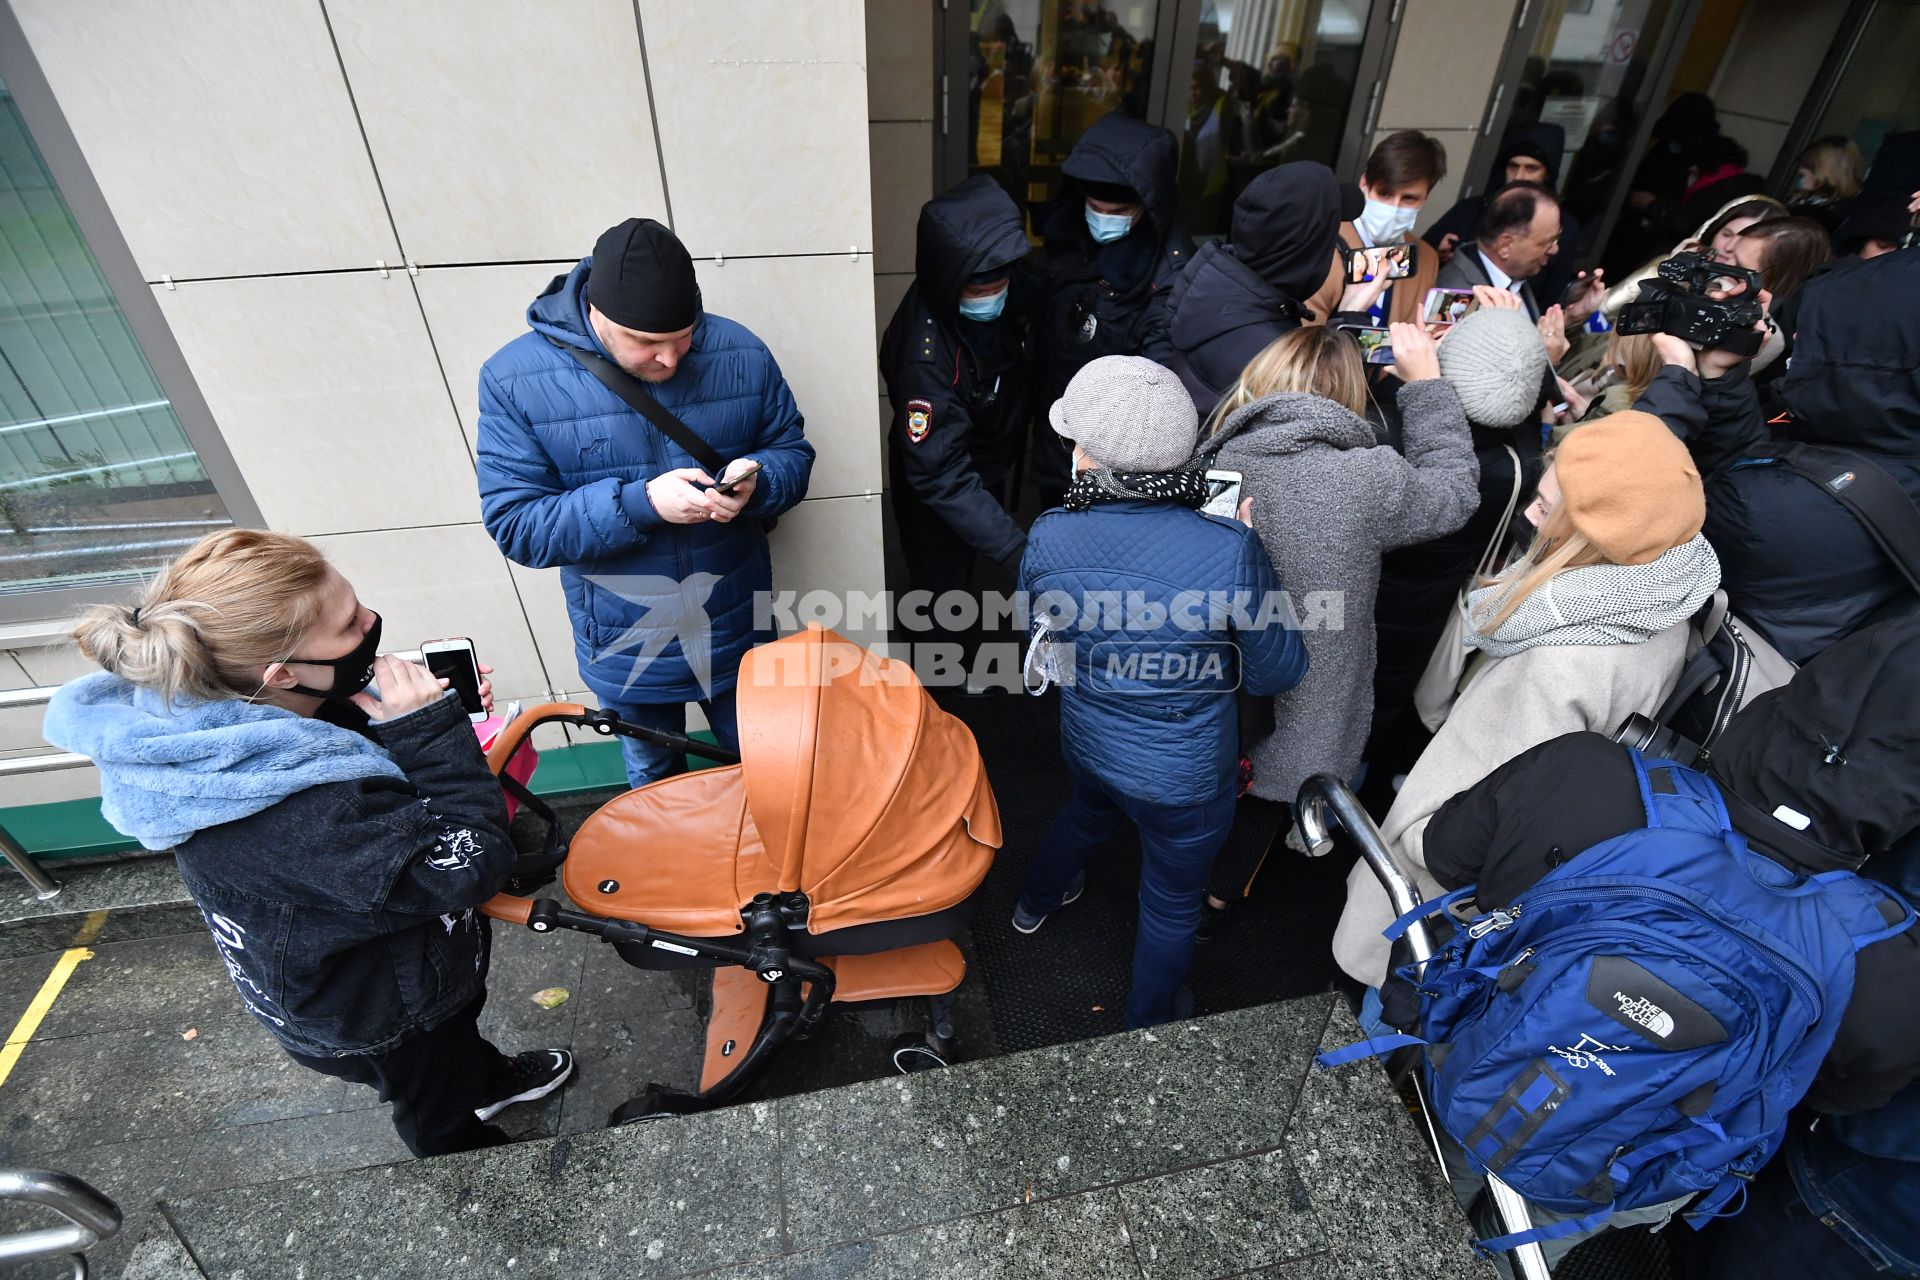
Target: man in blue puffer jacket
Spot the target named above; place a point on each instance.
(1163, 612)
(661, 565)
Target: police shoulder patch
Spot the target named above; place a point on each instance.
(919, 419)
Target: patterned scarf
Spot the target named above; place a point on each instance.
(1097, 484)
(1600, 603)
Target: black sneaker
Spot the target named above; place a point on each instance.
(1213, 920)
(528, 1076)
(1025, 921)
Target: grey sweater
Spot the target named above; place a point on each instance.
(1327, 500)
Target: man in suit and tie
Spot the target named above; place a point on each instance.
(1518, 232)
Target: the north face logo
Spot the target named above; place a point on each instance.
(1646, 1013)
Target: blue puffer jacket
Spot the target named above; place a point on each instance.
(563, 467)
(1151, 711)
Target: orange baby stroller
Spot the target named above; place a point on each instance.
(834, 858)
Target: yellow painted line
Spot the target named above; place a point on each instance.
(90, 928)
(42, 1002)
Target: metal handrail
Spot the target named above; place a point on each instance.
(1327, 805)
(91, 1217)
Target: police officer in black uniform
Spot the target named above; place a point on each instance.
(955, 358)
(1111, 244)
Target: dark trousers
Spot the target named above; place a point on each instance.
(1258, 826)
(1775, 1237)
(434, 1080)
(1177, 846)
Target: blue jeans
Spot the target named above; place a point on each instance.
(1177, 847)
(647, 762)
(1778, 1237)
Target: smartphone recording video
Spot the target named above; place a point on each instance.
(1223, 494)
(1448, 306)
(1376, 344)
(453, 660)
(1365, 264)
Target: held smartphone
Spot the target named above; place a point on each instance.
(730, 483)
(1448, 306)
(1397, 259)
(452, 660)
(1223, 494)
(1376, 343)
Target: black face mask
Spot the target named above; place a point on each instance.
(1522, 533)
(352, 671)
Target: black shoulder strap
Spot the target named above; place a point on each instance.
(634, 392)
(1874, 497)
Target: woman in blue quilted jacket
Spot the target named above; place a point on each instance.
(1156, 614)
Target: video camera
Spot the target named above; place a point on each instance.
(1681, 301)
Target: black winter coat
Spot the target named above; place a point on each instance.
(960, 388)
(1795, 563)
(1091, 300)
(1234, 299)
(1568, 794)
(345, 913)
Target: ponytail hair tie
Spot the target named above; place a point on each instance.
(133, 618)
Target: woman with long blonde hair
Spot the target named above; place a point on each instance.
(1328, 498)
(336, 841)
(1586, 628)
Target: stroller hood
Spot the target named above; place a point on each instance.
(868, 797)
(853, 787)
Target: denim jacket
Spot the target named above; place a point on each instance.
(345, 912)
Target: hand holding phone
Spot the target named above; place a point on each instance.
(736, 474)
(1376, 343)
(1223, 494)
(453, 660)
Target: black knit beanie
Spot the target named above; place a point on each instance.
(642, 278)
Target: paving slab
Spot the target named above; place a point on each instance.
(1375, 1182)
(898, 1153)
(140, 1083)
(143, 897)
(648, 1200)
(1222, 1219)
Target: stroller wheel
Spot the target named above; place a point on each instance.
(655, 1103)
(918, 1051)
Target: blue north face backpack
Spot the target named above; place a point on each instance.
(1636, 1027)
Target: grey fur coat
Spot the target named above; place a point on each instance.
(1327, 500)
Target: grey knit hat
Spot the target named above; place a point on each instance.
(1494, 360)
(1129, 414)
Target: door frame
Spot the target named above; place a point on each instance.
(1813, 108)
(1663, 63)
(1176, 34)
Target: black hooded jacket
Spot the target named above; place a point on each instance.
(959, 388)
(1797, 564)
(1235, 298)
(1091, 300)
(1840, 744)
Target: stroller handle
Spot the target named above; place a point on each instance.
(602, 722)
(1327, 805)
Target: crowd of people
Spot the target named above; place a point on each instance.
(1528, 509)
(1495, 529)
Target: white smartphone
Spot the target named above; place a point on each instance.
(1223, 494)
(452, 660)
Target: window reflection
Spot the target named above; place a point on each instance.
(1039, 73)
(1272, 81)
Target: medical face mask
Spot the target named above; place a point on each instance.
(1382, 223)
(987, 308)
(1108, 227)
(352, 671)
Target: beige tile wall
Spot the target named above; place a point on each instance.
(500, 138)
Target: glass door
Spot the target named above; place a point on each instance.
(1267, 82)
(1869, 88)
(1583, 72)
(1036, 74)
